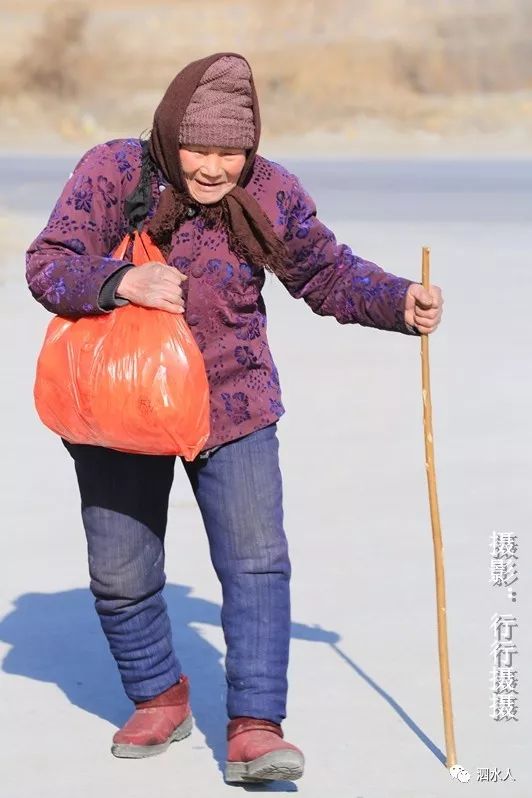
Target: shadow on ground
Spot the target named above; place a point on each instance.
(56, 638)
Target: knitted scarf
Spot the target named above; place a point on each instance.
(250, 233)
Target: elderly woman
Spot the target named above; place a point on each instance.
(222, 215)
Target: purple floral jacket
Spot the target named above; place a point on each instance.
(69, 263)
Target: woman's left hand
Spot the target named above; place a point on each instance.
(423, 307)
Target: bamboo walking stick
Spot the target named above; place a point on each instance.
(445, 678)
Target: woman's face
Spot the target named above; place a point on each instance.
(211, 172)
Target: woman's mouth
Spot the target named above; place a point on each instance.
(208, 185)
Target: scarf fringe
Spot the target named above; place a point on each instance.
(250, 234)
(269, 252)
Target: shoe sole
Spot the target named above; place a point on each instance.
(277, 765)
(128, 751)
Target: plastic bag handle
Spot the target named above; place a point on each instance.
(144, 249)
(120, 250)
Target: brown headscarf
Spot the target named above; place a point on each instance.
(250, 233)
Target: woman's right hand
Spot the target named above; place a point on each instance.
(153, 285)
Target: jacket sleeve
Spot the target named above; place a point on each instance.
(68, 263)
(107, 299)
(331, 279)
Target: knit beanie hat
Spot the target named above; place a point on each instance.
(220, 113)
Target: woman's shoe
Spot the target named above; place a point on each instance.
(257, 752)
(155, 724)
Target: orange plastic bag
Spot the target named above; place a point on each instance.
(132, 380)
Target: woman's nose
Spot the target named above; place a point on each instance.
(212, 166)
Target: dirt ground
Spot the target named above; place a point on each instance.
(381, 76)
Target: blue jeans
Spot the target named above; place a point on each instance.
(238, 488)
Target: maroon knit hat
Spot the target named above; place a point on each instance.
(220, 112)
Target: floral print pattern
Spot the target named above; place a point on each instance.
(107, 191)
(236, 406)
(245, 356)
(82, 195)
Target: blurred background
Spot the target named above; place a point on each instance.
(378, 76)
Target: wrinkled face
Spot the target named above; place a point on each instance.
(211, 172)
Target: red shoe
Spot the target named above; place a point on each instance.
(257, 752)
(155, 724)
